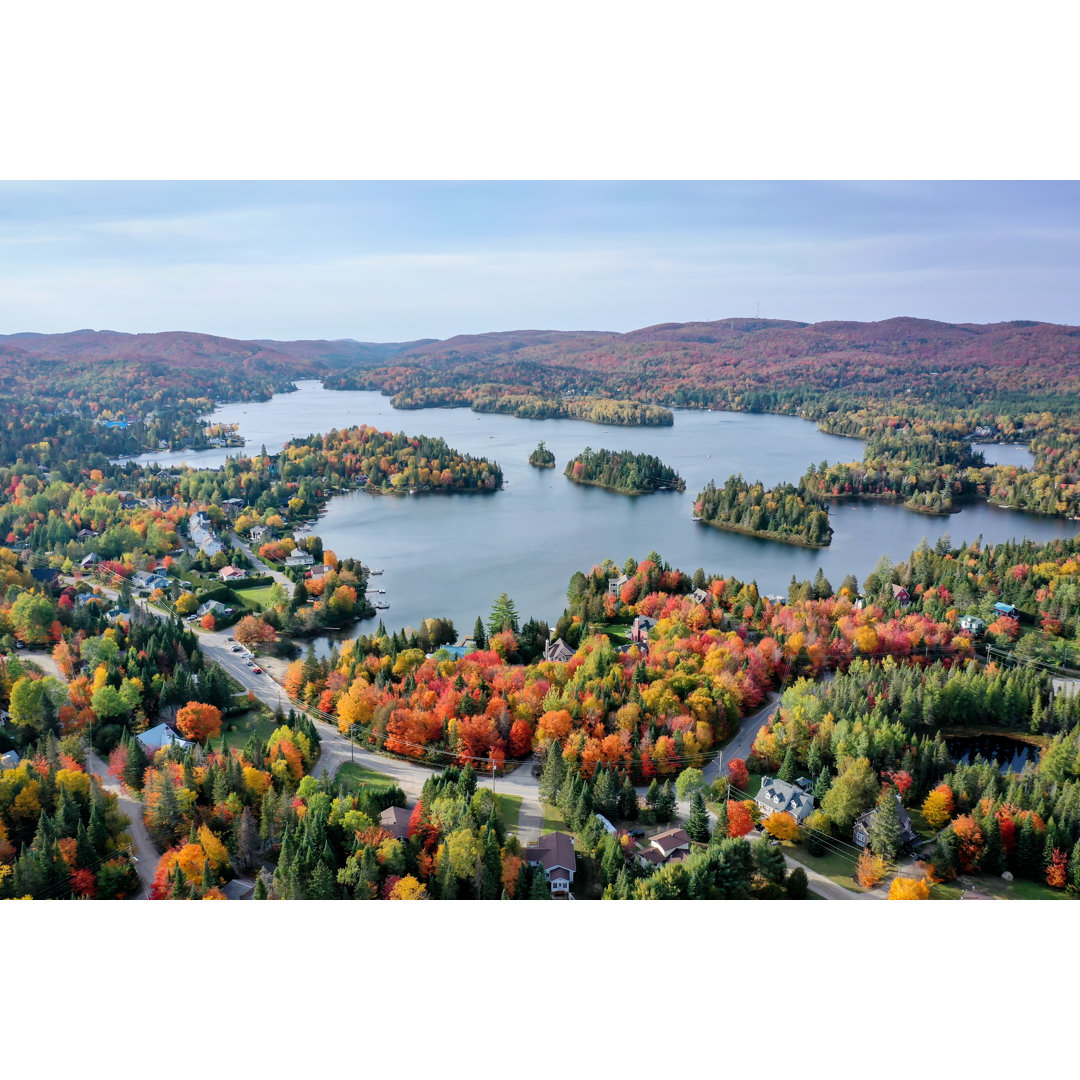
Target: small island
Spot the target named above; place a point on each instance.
(623, 471)
(781, 513)
(542, 457)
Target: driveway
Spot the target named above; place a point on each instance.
(144, 848)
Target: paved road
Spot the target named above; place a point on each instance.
(263, 568)
(132, 809)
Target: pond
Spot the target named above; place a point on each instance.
(1011, 754)
(451, 556)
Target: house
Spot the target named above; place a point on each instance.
(233, 506)
(213, 607)
(260, 534)
(321, 570)
(555, 853)
(639, 631)
(778, 796)
(395, 820)
(238, 889)
(299, 558)
(89, 561)
(456, 651)
(164, 502)
(860, 831)
(607, 826)
(85, 534)
(615, 584)
(160, 736)
(699, 596)
(672, 844)
(558, 652)
(146, 579)
(1007, 610)
(232, 573)
(901, 595)
(45, 575)
(649, 857)
(9, 759)
(89, 598)
(202, 534)
(116, 615)
(972, 624)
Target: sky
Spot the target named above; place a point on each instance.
(381, 261)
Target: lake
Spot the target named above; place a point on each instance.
(451, 555)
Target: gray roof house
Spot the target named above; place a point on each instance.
(159, 736)
(395, 820)
(779, 797)
(615, 584)
(555, 853)
(213, 607)
(558, 652)
(860, 831)
(9, 759)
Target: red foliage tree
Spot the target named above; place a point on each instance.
(739, 774)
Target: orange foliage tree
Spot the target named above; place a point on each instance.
(254, 632)
(870, 869)
(738, 772)
(198, 721)
(1055, 872)
(740, 820)
(208, 621)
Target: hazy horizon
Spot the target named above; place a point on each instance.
(381, 262)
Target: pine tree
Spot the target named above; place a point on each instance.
(822, 784)
(553, 775)
(769, 860)
(789, 767)
(540, 889)
(247, 837)
(652, 796)
(605, 794)
(885, 829)
(322, 883)
(628, 800)
(479, 636)
(666, 802)
(720, 832)
(261, 891)
(697, 824)
(1028, 850)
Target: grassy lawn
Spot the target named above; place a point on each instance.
(553, 818)
(927, 832)
(509, 811)
(238, 729)
(837, 868)
(256, 599)
(355, 776)
(1002, 890)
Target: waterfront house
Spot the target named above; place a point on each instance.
(901, 595)
(614, 585)
(639, 631)
(558, 652)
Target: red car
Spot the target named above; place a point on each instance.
(257, 670)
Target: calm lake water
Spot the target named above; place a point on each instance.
(451, 555)
(1010, 754)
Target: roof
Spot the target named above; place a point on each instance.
(899, 590)
(667, 842)
(238, 889)
(9, 759)
(44, 574)
(552, 850)
(558, 651)
(161, 735)
(907, 829)
(559, 875)
(650, 855)
(395, 819)
(1005, 609)
(778, 796)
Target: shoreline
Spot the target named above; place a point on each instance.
(794, 540)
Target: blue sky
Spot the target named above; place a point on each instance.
(395, 261)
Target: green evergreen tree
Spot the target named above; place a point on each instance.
(665, 803)
(540, 889)
(628, 800)
(261, 891)
(697, 824)
(885, 829)
(789, 767)
(769, 860)
(479, 635)
(553, 775)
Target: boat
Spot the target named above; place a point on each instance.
(381, 605)
(375, 573)
(380, 590)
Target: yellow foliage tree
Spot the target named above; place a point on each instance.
(908, 888)
(215, 850)
(408, 888)
(782, 826)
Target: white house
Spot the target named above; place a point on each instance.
(779, 797)
(555, 853)
(213, 607)
(299, 558)
(159, 736)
